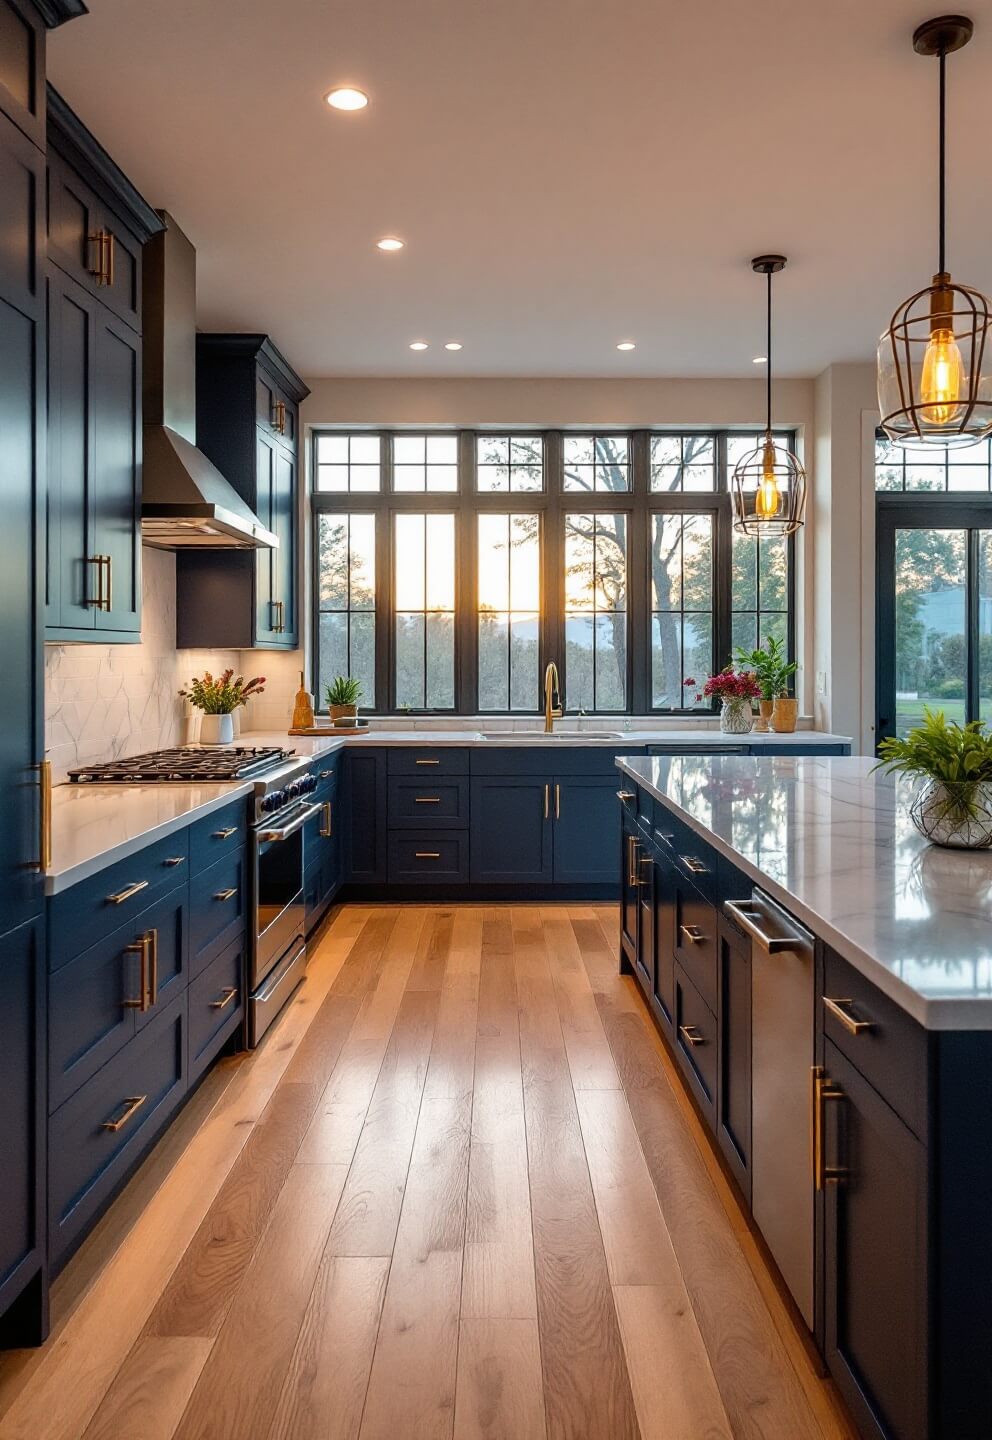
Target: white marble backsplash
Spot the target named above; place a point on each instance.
(103, 701)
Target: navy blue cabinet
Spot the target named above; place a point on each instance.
(21, 1120)
(512, 838)
(365, 816)
(585, 811)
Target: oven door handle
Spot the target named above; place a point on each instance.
(293, 825)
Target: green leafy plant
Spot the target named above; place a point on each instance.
(343, 691)
(223, 695)
(957, 757)
(770, 667)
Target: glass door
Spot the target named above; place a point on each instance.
(933, 613)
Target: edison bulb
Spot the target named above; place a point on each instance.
(768, 500)
(941, 381)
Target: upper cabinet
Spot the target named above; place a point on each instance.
(97, 224)
(247, 423)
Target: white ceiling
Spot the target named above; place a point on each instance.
(566, 173)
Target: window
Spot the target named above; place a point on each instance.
(451, 567)
(932, 467)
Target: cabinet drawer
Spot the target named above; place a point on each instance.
(218, 906)
(695, 1042)
(97, 1136)
(427, 804)
(427, 763)
(85, 913)
(99, 999)
(92, 244)
(216, 1007)
(428, 857)
(218, 834)
(696, 939)
(696, 861)
(891, 1052)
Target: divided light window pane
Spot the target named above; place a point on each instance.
(346, 602)
(509, 611)
(509, 463)
(424, 599)
(932, 467)
(759, 593)
(349, 463)
(425, 462)
(681, 607)
(683, 462)
(596, 462)
(740, 446)
(596, 611)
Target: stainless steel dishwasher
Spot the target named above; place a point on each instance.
(782, 1007)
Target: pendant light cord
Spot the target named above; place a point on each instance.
(942, 132)
(768, 356)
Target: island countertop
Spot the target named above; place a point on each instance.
(834, 844)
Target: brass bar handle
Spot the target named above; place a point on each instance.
(325, 824)
(694, 866)
(110, 263)
(690, 1034)
(173, 860)
(850, 1023)
(547, 801)
(693, 934)
(226, 833)
(102, 266)
(140, 948)
(427, 799)
(557, 801)
(132, 1105)
(108, 560)
(104, 597)
(278, 625)
(278, 417)
(823, 1090)
(632, 871)
(228, 894)
(153, 967)
(420, 762)
(227, 995)
(44, 769)
(625, 795)
(128, 893)
(427, 854)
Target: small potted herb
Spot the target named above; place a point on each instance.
(953, 806)
(735, 689)
(773, 673)
(342, 696)
(218, 700)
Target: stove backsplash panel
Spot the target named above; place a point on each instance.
(104, 701)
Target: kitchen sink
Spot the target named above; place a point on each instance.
(555, 735)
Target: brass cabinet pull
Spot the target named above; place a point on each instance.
(132, 1105)
(849, 1022)
(141, 948)
(104, 593)
(226, 997)
(690, 1034)
(547, 801)
(822, 1089)
(557, 801)
(278, 625)
(634, 846)
(422, 762)
(325, 824)
(226, 833)
(625, 795)
(102, 266)
(427, 799)
(44, 769)
(693, 934)
(228, 894)
(279, 417)
(153, 967)
(173, 860)
(127, 893)
(427, 855)
(694, 866)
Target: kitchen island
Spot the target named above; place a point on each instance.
(824, 979)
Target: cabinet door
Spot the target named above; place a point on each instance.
(629, 845)
(265, 560)
(284, 559)
(585, 811)
(733, 1100)
(511, 830)
(71, 581)
(365, 811)
(664, 940)
(875, 1241)
(645, 953)
(20, 1075)
(116, 393)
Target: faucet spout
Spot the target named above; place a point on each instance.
(552, 698)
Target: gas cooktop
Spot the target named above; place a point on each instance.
(191, 763)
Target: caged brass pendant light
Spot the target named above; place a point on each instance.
(934, 373)
(768, 486)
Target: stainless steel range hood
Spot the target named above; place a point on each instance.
(186, 503)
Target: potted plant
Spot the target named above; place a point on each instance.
(773, 673)
(953, 806)
(342, 697)
(218, 700)
(735, 689)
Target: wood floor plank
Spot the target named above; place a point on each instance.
(323, 1394)
(590, 1059)
(674, 1390)
(151, 1389)
(240, 1385)
(500, 1395)
(433, 951)
(587, 1389)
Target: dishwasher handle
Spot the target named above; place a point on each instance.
(754, 915)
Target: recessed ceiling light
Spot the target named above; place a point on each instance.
(760, 360)
(418, 345)
(626, 345)
(390, 242)
(453, 345)
(346, 97)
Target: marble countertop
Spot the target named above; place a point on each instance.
(567, 735)
(834, 844)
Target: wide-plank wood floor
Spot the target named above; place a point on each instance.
(456, 1195)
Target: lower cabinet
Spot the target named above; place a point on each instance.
(21, 1075)
(585, 813)
(733, 1086)
(696, 1042)
(216, 1007)
(512, 839)
(630, 840)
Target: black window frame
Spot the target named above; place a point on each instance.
(552, 503)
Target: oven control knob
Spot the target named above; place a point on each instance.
(273, 801)
(308, 784)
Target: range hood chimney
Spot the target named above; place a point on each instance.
(186, 502)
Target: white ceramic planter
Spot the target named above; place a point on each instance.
(217, 730)
(736, 717)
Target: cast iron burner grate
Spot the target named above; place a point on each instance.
(228, 763)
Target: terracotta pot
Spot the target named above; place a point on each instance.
(785, 713)
(343, 714)
(765, 708)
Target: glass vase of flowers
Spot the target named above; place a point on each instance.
(736, 691)
(218, 700)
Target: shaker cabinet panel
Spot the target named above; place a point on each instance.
(20, 1076)
(116, 391)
